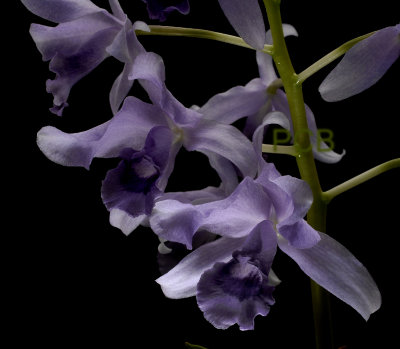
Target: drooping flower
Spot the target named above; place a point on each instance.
(85, 35)
(227, 149)
(271, 200)
(363, 65)
(221, 142)
(160, 9)
(259, 98)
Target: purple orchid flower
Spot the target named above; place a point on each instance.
(363, 65)
(160, 9)
(256, 100)
(130, 134)
(227, 148)
(85, 36)
(221, 142)
(270, 207)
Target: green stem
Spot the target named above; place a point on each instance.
(330, 57)
(198, 33)
(367, 175)
(279, 149)
(316, 216)
(193, 346)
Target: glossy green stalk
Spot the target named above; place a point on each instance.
(316, 216)
(279, 149)
(367, 175)
(161, 30)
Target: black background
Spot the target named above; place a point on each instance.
(75, 280)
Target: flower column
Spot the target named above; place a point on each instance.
(316, 216)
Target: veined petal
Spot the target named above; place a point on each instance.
(300, 193)
(271, 118)
(334, 268)
(164, 151)
(69, 149)
(224, 140)
(282, 202)
(237, 215)
(247, 19)
(265, 68)
(234, 216)
(126, 46)
(149, 69)
(176, 221)
(291, 199)
(117, 10)
(69, 38)
(196, 197)
(120, 88)
(60, 11)
(127, 129)
(235, 103)
(299, 234)
(75, 48)
(181, 281)
(363, 65)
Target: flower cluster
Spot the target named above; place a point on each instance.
(230, 233)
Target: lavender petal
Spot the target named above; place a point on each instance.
(247, 19)
(363, 65)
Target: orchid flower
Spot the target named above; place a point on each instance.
(218, 243)
(233, 285)
(159, 9)
(363, 65)
(225, 146)
(259, 98)
(84, 37)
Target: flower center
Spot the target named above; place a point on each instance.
(241, 280)
(139, 175)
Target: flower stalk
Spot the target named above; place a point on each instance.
(316, 216)
(367, 175)
(199, 33)
(279, 149)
